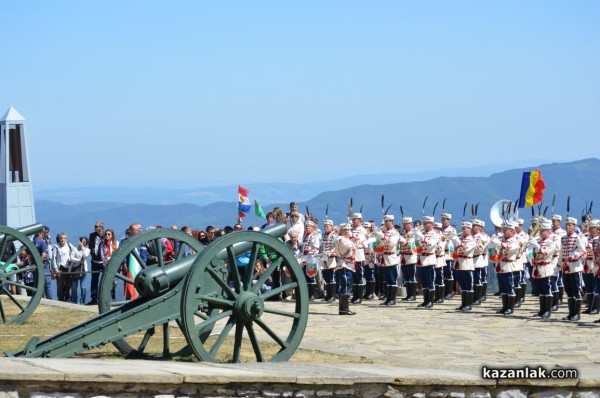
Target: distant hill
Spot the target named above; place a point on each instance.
(580, 179)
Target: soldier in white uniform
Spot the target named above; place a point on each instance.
(509, 248)
(388, 239)
(543, 266)
(518, 276)
(480, 259)
(408, 259)
(426, 265)
(595, 239)
(571, 259)
(343, 250)
(369, 264)
(310, 246)
(328, 260)
(588, 267)
(464, 266)
(556, 281)
(358, 234)
(448, 231)
(440, 263)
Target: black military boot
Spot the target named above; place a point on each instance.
(331, 293)
(326, 292)
(595, 309)
(547, 306)
(425, 299)
(561, 294)
(469, 296)
(571, 305)
(555, 301)
(478, 294)
(448, 288)
(343, 305)
(589, 300)
(369, 295)
(542, 300)
(523, 291)
(392, 294)
(431, 298)
(354, 293)
(511, 305)
(576, 310)
(463, 300)
(387, 295)
(360, 291)
(411, 291)
(483, 293)
(517, 297)
(439, 294)
(504, 304)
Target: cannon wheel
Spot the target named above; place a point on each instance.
(13, 310)
(210, 308)
(112, 275)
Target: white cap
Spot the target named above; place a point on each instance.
(328, 222)
(546, 224)
(367, 224)
(345, 226)
(467, 224)
(309, 223)
(428, 219)
(388, 217)
(407, 220)
(437, 225)
(509, 224)
(520, 221)
(557, 217)
(571, 220)
(479, 222)
(594, 223)
(256, 229)
(447, 215)
(534, 219)
(356, 215)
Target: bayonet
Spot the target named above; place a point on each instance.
(382, 204)
(401, 211)
(435, 207)
(444, 206)
(465, 210)
(553, 202)
(386, 210)
(425, 201)
(568, 205)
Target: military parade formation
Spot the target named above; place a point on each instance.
(362, 261)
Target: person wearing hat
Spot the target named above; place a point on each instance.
(369, 265)
(556, 280)
(589, 281)
(43, 244)
(448, 231)
(509, 248)
(571, 258)
(310, 247)
(543, 266)
(595, 239)
(358, 234)
(440, 263)
(464, 248)
(408, 259)
(533, 232)
(480, 260)
(328, 260)
(389, 237)
(518, 276)
(426, 264)
(343, 250)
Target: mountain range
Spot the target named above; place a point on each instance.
(580, 180)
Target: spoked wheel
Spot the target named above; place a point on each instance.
(117, 289)
(12, 276)
(220, 305)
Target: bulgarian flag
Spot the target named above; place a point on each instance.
(532, 188)
(132, 270)
(244, 204)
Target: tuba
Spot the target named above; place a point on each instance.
(502, 210)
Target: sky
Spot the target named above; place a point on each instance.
(190, 93)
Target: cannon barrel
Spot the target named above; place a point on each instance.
(27, 230)
(154, 281)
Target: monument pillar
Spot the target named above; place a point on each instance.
(16, 194)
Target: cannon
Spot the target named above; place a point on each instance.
(13, 309)
(203, 293)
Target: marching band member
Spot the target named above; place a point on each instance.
(464, 249)
(328, 260)
(480, 259)
(509, 248)
(310, 246)
(448, 231)
(440, 263)
(369, 264)
(543, 266)
(343, 250)
(519, 275)
(595, 239)
(388, 239)
(408, 259)
(588, 266)
(571, 258)
(557, 280)
(426, 264)
(358, 234)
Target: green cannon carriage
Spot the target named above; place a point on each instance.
(203, 293)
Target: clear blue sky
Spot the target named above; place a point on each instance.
(192, 92)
